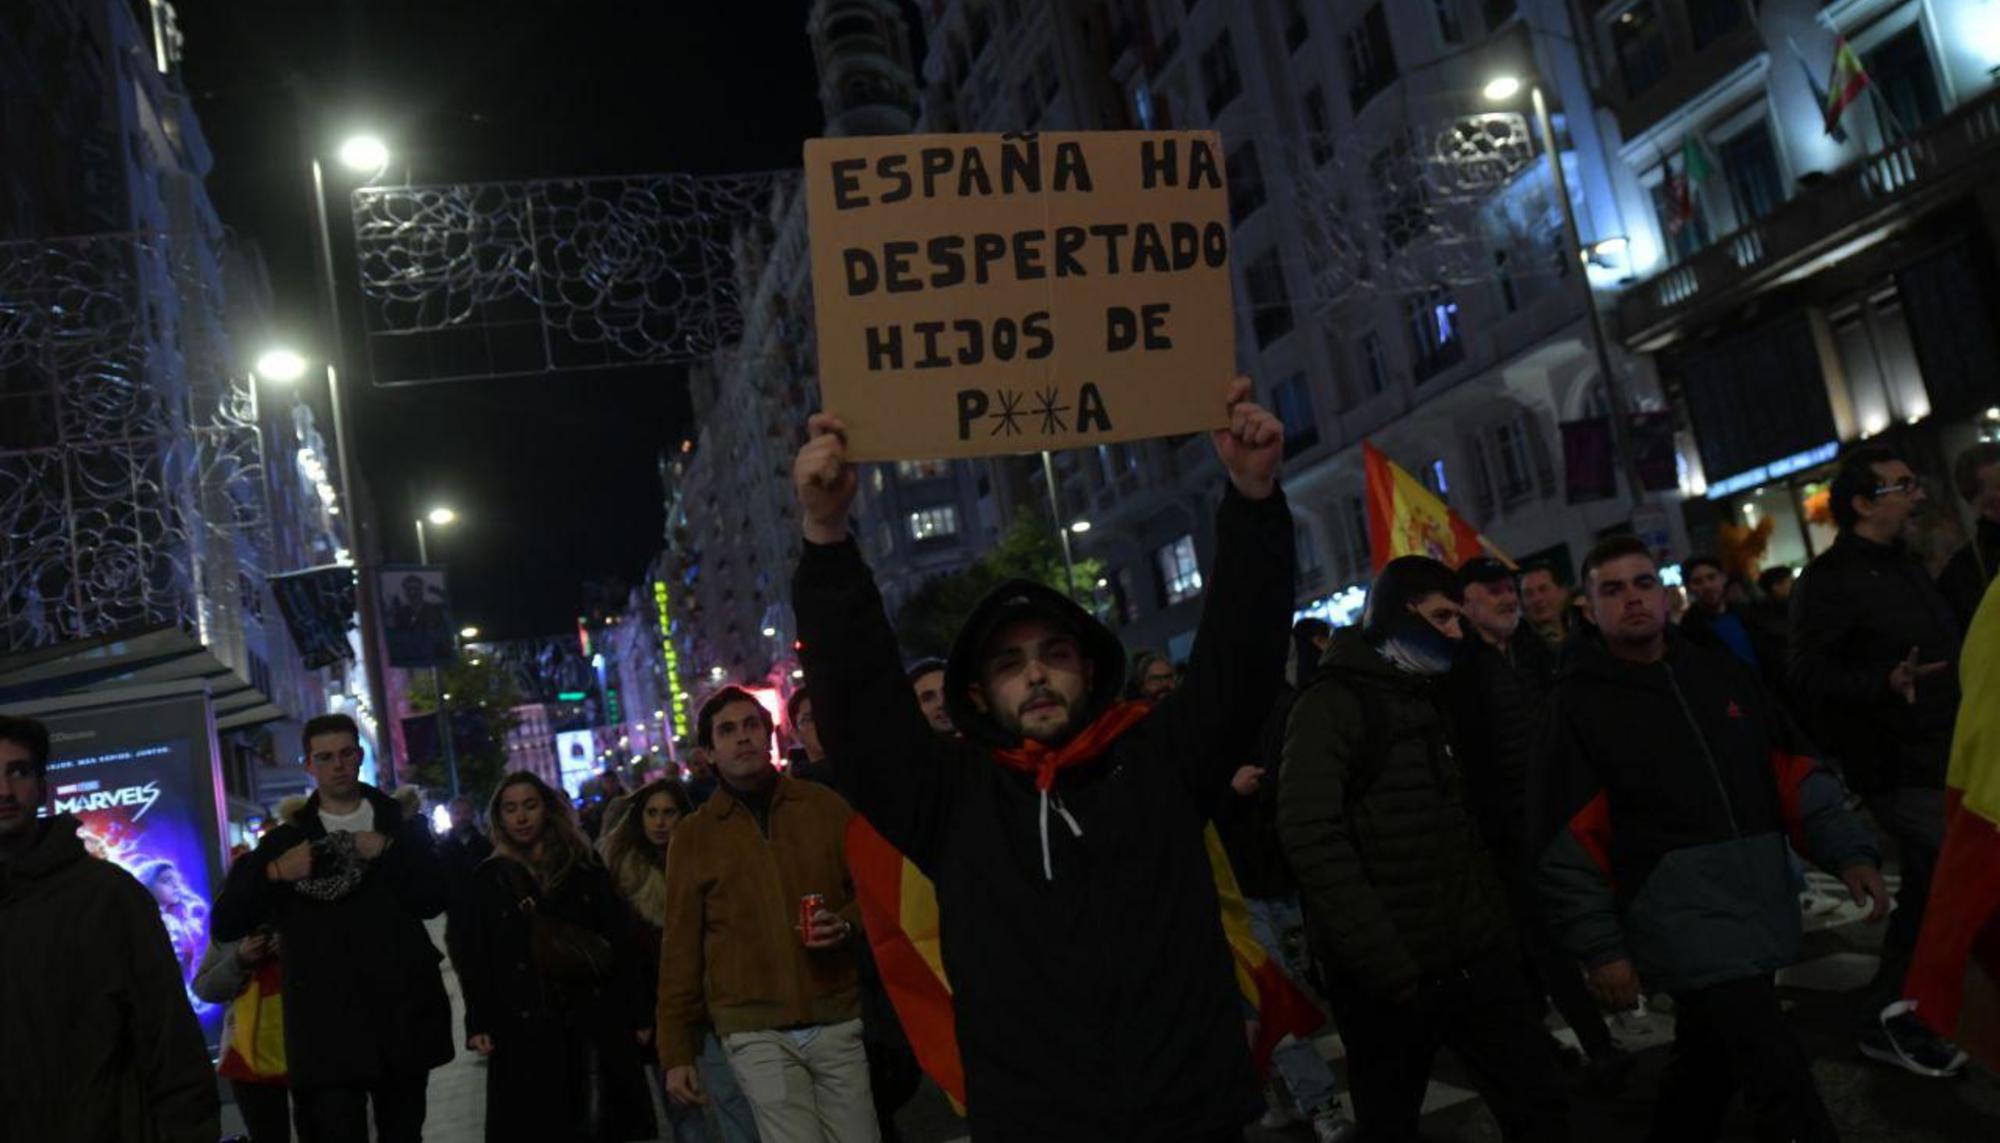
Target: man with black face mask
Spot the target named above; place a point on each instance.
(1402, 902)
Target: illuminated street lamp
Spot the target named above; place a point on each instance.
(281, 365)
(1499, 89)
(468, 633)
(365, 153)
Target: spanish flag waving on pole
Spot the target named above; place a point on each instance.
(1845, 83)
(1955, 976)
(1407, 519)
(899, 912)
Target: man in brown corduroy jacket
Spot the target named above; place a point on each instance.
(784, 996)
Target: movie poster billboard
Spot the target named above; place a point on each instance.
(416, 617)
(141, 776)
(576, 754)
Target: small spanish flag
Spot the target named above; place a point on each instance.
(1955, 976)
(1845, 84)
(1407, 519)
(899, 911)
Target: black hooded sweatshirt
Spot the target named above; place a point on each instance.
(1097, 1001)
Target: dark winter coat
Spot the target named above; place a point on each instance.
(1395, 878)
(98, 1042)
(1666, 801)
(1248, 826)
(1097, 1002)
(1856, 612)
(557, 1048)
(1499, 704)
(1971, 569)
(364, 1000)
(1768, 642)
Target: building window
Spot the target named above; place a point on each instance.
(1681, 216)
(1436, 480)
(1435, 341)
(1710, 20)
(1750, 164)
(1219, 78)
(1374, 362)
(1511, 444)
(1292, 402)
(1270, 304)
(1639, 40)
(1503, 275)
(1357, 530)
(1371, 60)
(1482, 477)
(922, 469)
(934, 523)
(1296, 29)
(1497, 12)
(1180, 574)
(1319, 132)
(1451, 29)
(1246, 182)
(1903, 76)
(1308, 564)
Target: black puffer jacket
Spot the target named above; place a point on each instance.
(1499, 703)
(1856, 611)
(1395, 878)
(97, 1042)
(1096, 1001)
(368, 948)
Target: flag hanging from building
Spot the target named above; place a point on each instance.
(1836, 132)
(1955, 974)
(1845, 84)
(1407, 519)
(1695, 170)
(899, 912)
(318, 607)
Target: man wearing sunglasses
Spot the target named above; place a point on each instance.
(1874, 670)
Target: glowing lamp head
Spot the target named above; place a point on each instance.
(281, 365)
(365, 153)
(441, 516)
(1501, 88)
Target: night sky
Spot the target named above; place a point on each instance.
(554, 477)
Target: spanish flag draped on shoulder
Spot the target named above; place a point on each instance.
(899, 912)
(1407, 519)
(1955, 977)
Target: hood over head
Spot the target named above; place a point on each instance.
(1400, 634)
(1025, 599)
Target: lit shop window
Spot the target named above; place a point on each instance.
(934, 523)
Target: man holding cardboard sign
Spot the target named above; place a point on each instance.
(983, 294)
(1093, 988)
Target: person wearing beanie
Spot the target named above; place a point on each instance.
(1403, 907)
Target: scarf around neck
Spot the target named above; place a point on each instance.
(1044, 762)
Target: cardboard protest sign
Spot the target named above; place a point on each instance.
(987, 294)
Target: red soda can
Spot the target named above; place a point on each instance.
(808, 905)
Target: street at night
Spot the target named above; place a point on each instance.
(1059, 571)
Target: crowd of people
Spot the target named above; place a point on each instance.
(1486, 798)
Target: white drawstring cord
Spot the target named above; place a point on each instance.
(1048, 869)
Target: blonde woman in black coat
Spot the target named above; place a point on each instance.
(553, 996)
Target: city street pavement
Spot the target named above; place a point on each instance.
(1870, 1103)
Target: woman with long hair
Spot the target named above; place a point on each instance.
(553, 996)
(635, 847)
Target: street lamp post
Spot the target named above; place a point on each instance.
(441, 517)
(1056, 517)
(366, 603)
(1503, 88)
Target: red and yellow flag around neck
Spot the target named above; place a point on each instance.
(899, 911)
(1407, 519)
(1955, 976)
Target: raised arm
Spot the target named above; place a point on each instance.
(1238, 660)
(897, 771)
